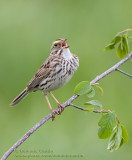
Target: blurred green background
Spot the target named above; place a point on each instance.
(27, 29)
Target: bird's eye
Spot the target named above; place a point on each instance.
(55, 44)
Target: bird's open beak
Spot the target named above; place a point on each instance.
(64, 44)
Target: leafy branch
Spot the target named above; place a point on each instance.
(109, 127)
(109, 124)
(121, 41)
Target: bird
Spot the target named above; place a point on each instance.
(54, 73)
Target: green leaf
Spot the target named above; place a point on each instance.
(118, 137)
(107, 119)
(82, 88)
(91, 94)
(93, 103)
(121, 53)
(90, 109)
(121, 142)
(104, 132)
(112, 139)
(107, 122)
(125, 43)
(100, 89)
(116, 40)
(124, 134)
(115, 140)
(122, 49)
(110, 46)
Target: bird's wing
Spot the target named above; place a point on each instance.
(43, 72)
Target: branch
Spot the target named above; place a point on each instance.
(102, 111)
(111, 69)
(124, 72)
(66, 104)
(95, 111)
(125, 31)
(83, 109)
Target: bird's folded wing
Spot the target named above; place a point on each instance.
(41, 74)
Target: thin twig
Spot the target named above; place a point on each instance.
(124, 72)
(125, 31)
(95, 111)
(101, 111)
(67, 103)
(118, 120)
(111, 69)
(78, 107)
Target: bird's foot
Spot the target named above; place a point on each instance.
(54, 112)
(61, 108)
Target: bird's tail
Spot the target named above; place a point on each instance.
(19, 97)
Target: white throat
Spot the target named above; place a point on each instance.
(66, 53)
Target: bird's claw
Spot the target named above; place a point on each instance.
(54, 112)
(61, 108)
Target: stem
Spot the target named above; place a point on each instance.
(127, 30)
(101, 111)
(124, 72)
(95, 111)
(129, 37)
(118, 120)
(111, 69)
(78, 107)
(66, 104)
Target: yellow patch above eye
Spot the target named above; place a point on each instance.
(56, 42)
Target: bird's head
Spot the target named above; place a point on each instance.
(58, 46)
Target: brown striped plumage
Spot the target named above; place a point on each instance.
(55, 72)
